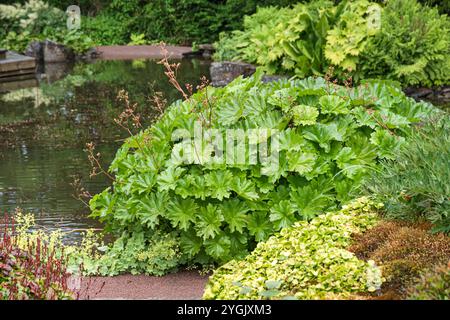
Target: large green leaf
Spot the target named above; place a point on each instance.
(333, 104)
(323, 134)
(282, 214)
(151, 207)
(259, 225)
(220, 183)
(181, 212)
(208, 222)
(235, 214)
(167, 179)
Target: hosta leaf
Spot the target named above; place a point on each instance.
(181, 212)
(282, 214)
(235, 214)
(208, 222)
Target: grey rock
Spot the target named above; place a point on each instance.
(55, 52)
(35, 49)
(270, 78)
(224, 72)
(206, 47)
(207, 50)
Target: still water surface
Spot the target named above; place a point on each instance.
(44, 129)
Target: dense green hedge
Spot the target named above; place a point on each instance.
(116, 21)
(187, 21)
(401, 40)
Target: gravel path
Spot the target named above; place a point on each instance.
(139, 52)
(176, 286)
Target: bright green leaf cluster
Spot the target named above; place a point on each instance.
(401, 40)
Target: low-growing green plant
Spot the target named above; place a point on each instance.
(137, 39)
(308, 260)
(79, 258)
(414, 184)
(329, 137)
(138, 253)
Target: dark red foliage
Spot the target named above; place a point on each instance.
(34, 273)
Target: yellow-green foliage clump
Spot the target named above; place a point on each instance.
(80, 257)
(306, 261)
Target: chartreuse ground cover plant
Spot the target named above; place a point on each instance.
(174, 187)
(401, 40)
(307, 260)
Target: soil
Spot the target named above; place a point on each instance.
(177, 286)
(140, 52)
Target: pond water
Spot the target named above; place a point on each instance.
(44, 129)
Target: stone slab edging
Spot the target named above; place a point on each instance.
(140, 52)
